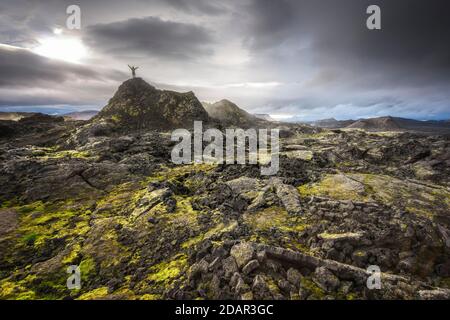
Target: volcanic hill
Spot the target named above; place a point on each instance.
(229, 113)
(138, 105)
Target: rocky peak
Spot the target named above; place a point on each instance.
(138, 105)
(134, 87)
(229, 113)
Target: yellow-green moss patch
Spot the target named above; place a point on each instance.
(166, 272)
(94, 294)
(315, 291)
(414, 196)
(219, 229)
(275, 217)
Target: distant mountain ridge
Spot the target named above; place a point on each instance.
(331, 123)
(264, 116)
(16, 116)
(77, 115)
(399, 124)
(387, 123)
(81, 115)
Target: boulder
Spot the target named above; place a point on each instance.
(260, 288)
(229, 266)
(242, 253)
(250, 267)
(294, 276)
(325, 279)
(288, 196)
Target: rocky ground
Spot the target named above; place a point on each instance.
(140, 227)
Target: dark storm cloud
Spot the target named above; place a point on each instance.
(268, 22)
(408, 61)
(6, 102)
(151, 36)
(413, 47)
(20, 67)
(29, 79)
(202, 6)
(414, 40)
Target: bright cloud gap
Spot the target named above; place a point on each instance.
(68, 49)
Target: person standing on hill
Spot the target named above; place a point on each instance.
(133, 70)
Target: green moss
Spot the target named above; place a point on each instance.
(336, 236)
(121, 200)
(69, 221)
(346, 164)
(73, 255)
(40, 222)
(70, 154)
(9, 203)
(30, 239)
(275, 217)
(315, 291)
(87, 266)
(32, 207)
(263, 223)
(383, 133)
(301, 247)
(359, 253)
(273, 287)
(415, 198)
(52, 288)
(27, 295)
(351, 296)
(318, 135)
(48, 287)
(52, 153)
(15, 291)
(333, 186)
(305, 155)
(94, 294)
(445, 282)
(171, 174)
(165, 273)
(150, 296)
(217, 230)
(341, 295)
(184, 212)
(115, 118)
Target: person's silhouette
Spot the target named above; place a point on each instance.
(133, 70)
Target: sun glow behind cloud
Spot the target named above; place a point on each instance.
(69, 49)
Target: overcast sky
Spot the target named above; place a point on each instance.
(309, 59)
